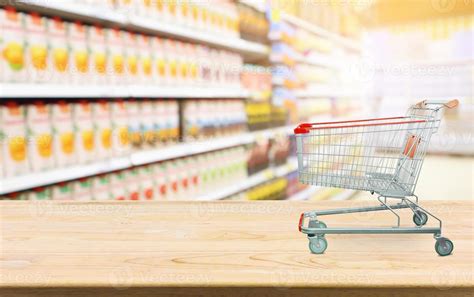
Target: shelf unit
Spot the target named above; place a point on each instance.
(305, 194)
(21, 90)
(15, 184)
(338, 39)
(93, 14)
(253, 180)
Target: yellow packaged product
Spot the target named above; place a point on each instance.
(59, 50)
(99, 55)
(120, 132)
(40, 135)
(116, 47)
(37, 63)
(12, 46)
(14, 147)
(80, 68)
(132, 58)
(103, 129)
(86, 146)
(64, 140)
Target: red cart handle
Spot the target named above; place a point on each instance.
(306, 127)
(300, 224)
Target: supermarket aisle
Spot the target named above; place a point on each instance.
(443, 178)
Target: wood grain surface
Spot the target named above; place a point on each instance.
(223, 249)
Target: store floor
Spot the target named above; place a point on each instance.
(443, 178)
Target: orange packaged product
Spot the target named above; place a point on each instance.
(80, 66)
(64, 139)
(145, 63)
(102, 129)
(38, 66)
(86, 146)
(158, 58)
(116, 47)
(40, 135)
(59, 50)
(120, 132)
(12, 46)
(14, 147)
(171, 60)
(132, 56)
(99, 55)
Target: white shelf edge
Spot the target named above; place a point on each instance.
(305, 194)
(344, 41)
(258, 5)
(40, 179)
(16, 184)
(252, 181)
(95, 14)
(25, 90)
(345, 195)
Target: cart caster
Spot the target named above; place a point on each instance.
(317, 224)
(420, 219)
(444, 246)
(317, 245)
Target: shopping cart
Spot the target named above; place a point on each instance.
(382, 156)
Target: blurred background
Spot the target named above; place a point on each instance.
(197, 100)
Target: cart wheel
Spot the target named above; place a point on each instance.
(420, 219)
(317, 245)
(444, 246)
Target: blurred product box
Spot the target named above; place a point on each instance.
(63, 191)
(12, 44)
(82, 189)
(102, 129)
(64, 139)
(101, 188)
(253, 24)
(203, 119)
(40, 194)
(15, 145)
(83, 125)
(80, 69)
(116, 48)
(99, 54)
(37, 65)
(120, 132)
(40, 137)
(59, 53)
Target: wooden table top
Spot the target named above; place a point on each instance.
(222, 244)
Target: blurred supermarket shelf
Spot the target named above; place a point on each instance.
(305, 194)
(34, 180)
(258, 5)
(324, 91)
(194, 148)
(40, 179)
(318, 60)
(337, 39)
(19, 90)
(346, 194)
(95, 14)
(252, 181)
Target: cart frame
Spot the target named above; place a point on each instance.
(427, 115)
